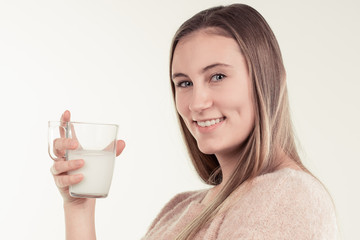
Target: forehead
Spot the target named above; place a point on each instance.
(204, 47)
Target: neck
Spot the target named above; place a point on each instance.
(227, 162)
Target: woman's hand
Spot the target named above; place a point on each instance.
(79, 212)
(60, 167)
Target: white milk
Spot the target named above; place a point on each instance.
(97, 171)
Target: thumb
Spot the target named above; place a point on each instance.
(120, 145)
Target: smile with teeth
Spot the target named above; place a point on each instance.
(209, 123)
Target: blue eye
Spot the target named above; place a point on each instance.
(184, 84)
(217, 77)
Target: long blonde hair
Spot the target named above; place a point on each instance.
(272, 132)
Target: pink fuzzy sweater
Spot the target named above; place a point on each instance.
(286, 204)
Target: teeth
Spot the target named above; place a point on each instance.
(209, 123)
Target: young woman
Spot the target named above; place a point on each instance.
(229, 87)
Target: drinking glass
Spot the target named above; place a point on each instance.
(96, 146)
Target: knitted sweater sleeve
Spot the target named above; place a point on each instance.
(295, 207)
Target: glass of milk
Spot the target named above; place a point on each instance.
(96, 146)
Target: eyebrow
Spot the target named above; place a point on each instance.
(207, 68)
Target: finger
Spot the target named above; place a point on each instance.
(63, 181)
(60, 167)
(63, 144)
(120, 145)
(65, 117)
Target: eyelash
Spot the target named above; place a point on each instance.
(181, 84)
(218, 75)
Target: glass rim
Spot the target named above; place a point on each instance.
(85, 123)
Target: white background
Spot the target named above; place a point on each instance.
(107, 61)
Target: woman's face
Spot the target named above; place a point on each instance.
(213, 91)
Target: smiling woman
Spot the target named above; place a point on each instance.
(229, 87)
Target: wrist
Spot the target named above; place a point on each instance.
(80, 219)
(80, 204)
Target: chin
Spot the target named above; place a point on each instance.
(207, 149)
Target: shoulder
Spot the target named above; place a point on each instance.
(291, 185)
(301, 194)
(286, 204)
(287, 186)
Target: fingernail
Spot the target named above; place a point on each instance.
(78, 177)
(78, 162)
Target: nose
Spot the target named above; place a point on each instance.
(200, 100)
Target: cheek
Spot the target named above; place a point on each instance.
(181, 105)
(247, 114)
(241, 105)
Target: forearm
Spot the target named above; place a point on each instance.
(80, 221)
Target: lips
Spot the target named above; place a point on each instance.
(209, 122)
